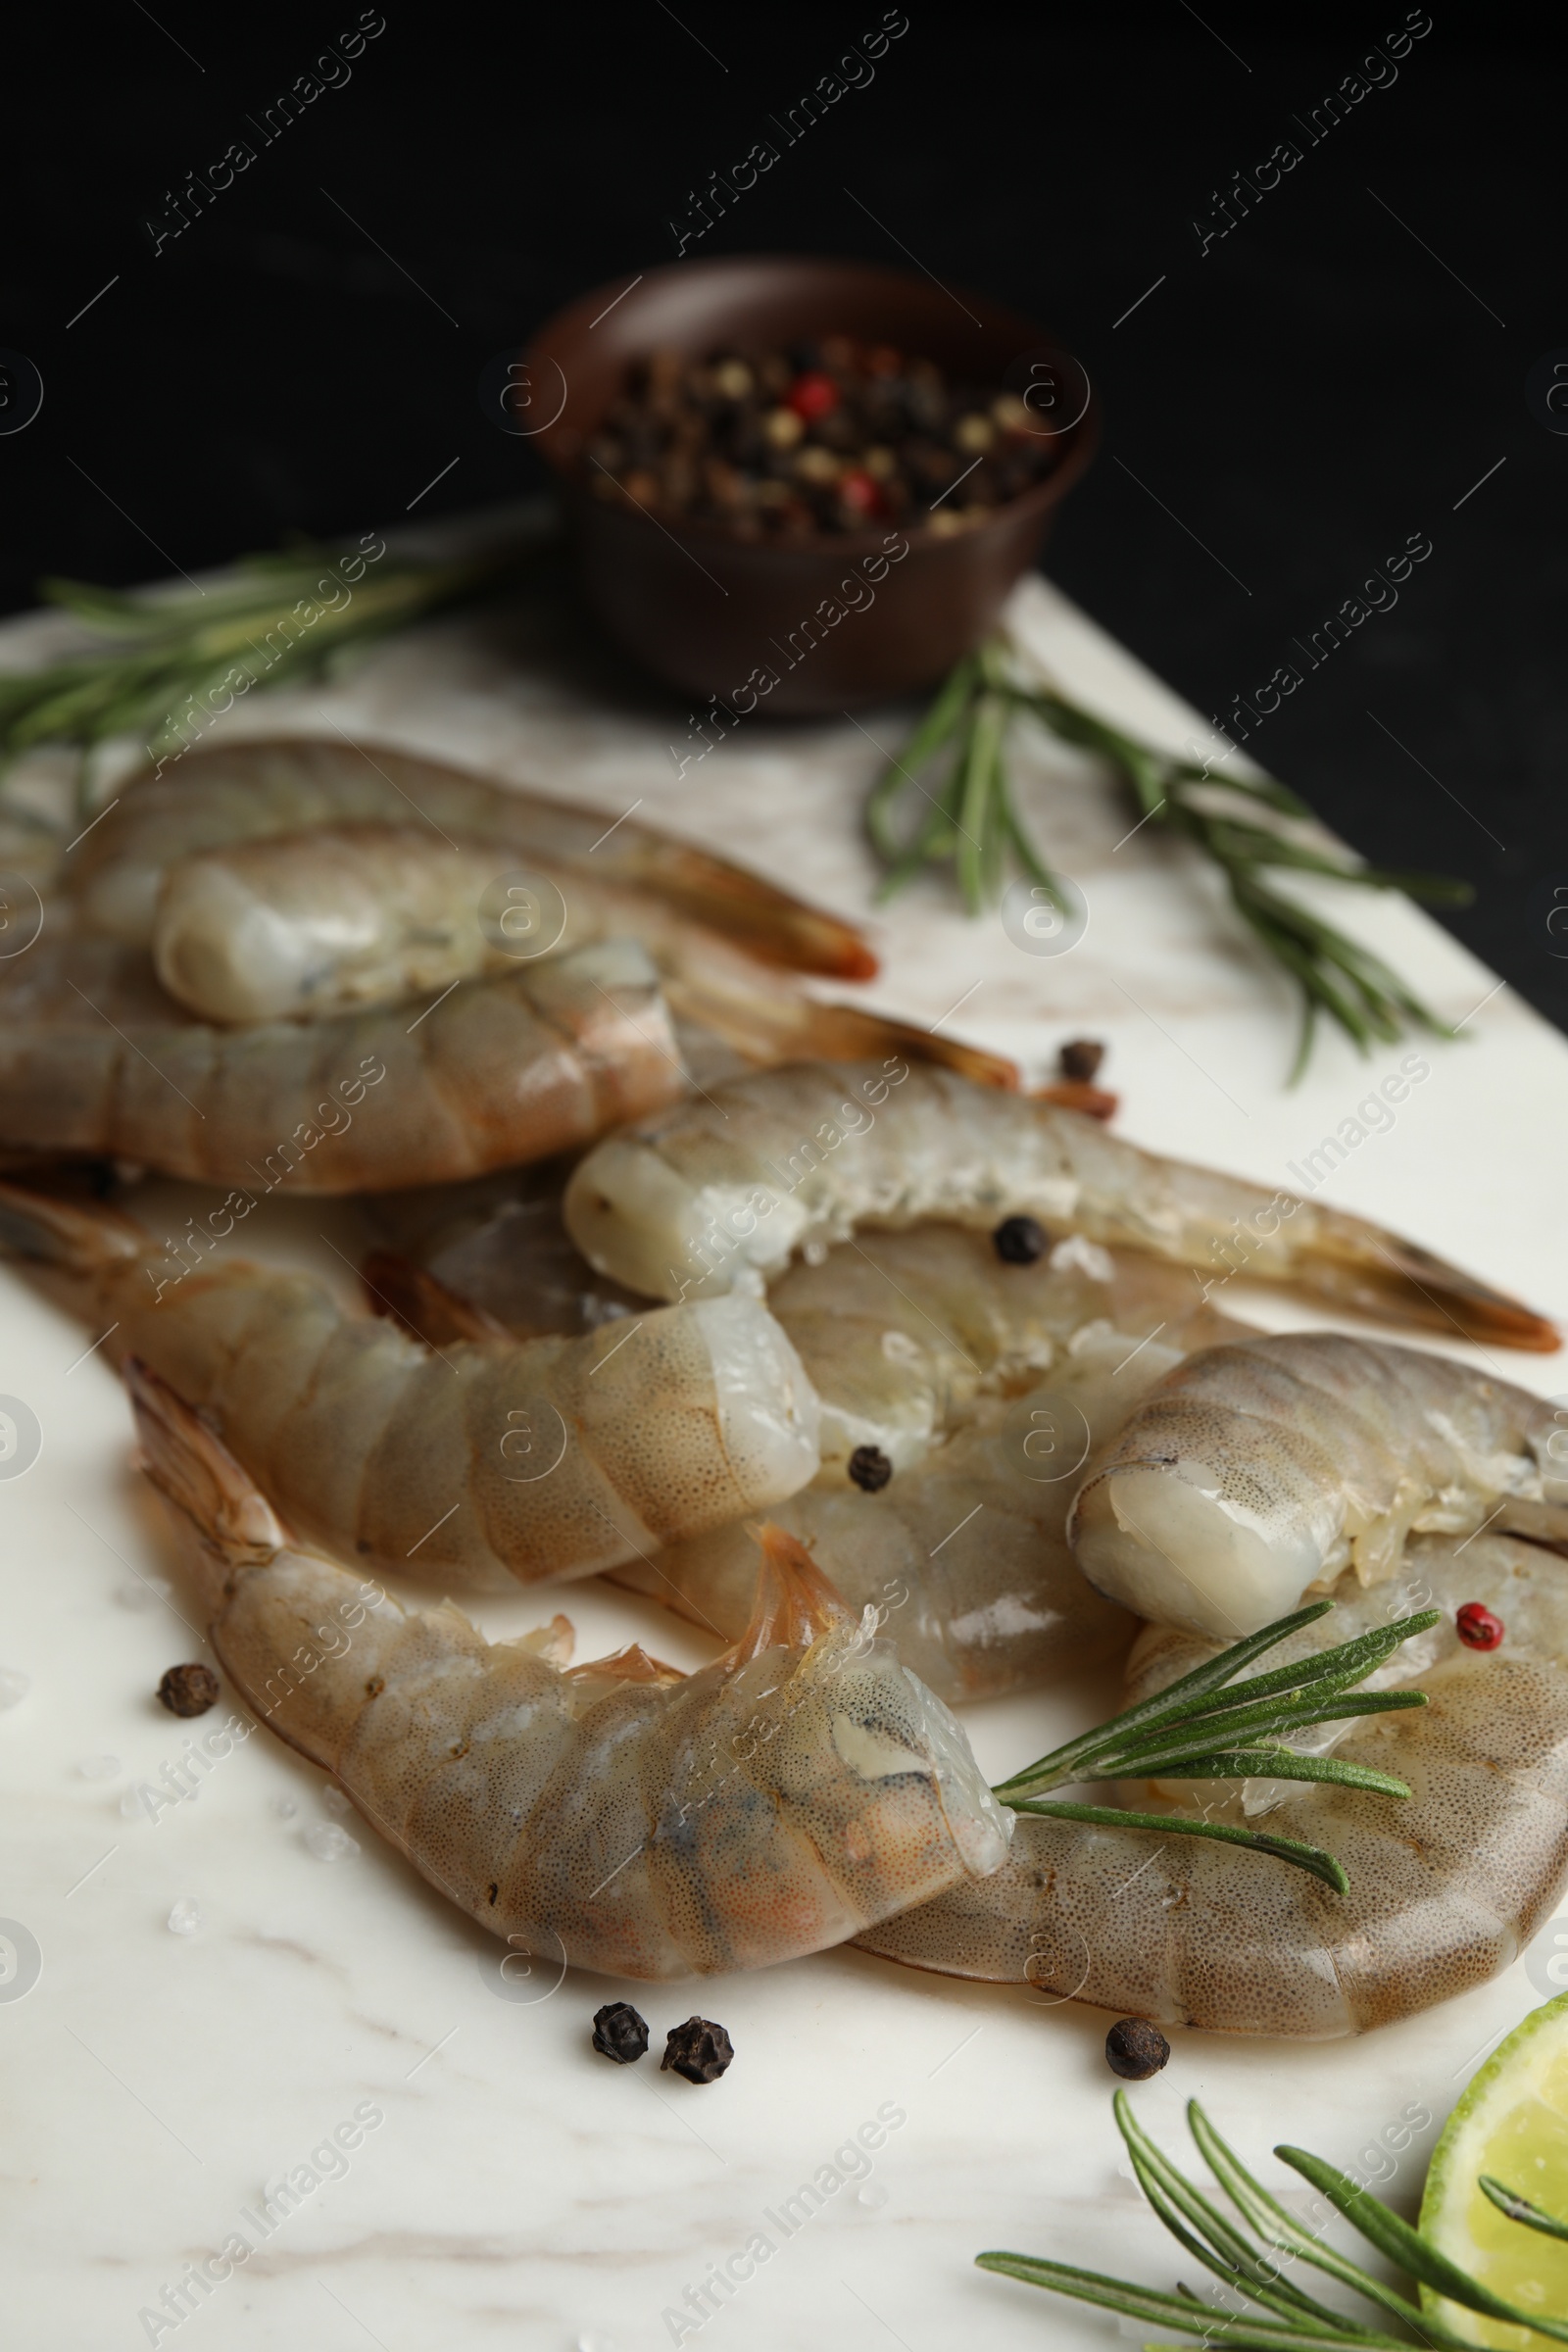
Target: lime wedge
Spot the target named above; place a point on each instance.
(1512, 2123)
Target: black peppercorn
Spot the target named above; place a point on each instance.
(870, 1468)
(619, 2033)
(1019, 1240)
(698, 2049)
(1081, 1058)
(1136, 2050)
(189, 1690)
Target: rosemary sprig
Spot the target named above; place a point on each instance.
(1287, 2319)
(170, 660)
(1519, 2209)
(1242, 824)
(1197, 1728)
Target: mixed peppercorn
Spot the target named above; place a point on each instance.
(818, 439)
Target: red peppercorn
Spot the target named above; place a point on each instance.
(1478, 1628)
(812, 395)
(860, 494)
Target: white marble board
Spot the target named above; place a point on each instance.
(518, 2190)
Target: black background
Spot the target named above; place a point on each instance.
(1323, 383)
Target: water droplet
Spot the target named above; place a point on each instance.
(874, 2196)
(329, 1843)
(98, 1768)
(187, 1916)
(132, 1801)
(284, 1807)
(334, 1800)
(13, 1684)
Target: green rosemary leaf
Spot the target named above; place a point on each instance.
(1254, 1727)
(1273, 1762)
(1383, 2229)
(980, 757)
(1195, 1700)
(943, 718)
(1310, 1858)
(1161, 2180)
(1177, 1700)
(1281, 2230)
(1519, 2209)
(1184, 2312)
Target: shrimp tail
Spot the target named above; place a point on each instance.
(74, 1239)
(1381, 1273)
(193, 1469)
(794, 1602)
(785, 1025)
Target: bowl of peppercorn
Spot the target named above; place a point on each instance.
(793, 485)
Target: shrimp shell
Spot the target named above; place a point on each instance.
(617, 1817)
(309, 925)
(96, 1059)
(239, 792)
(924, 1344)
(1253, 1473)
(1446, 1885)
(475, 1464)
(780, 1160)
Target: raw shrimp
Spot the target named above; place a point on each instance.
(782, 1161)
(1253, 1473)
(476, 1463)
(1446, 1885)
(309, 925)
(95, 1059)
(239, 792)
(924, 1344)
(618, 1816)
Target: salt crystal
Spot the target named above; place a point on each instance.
(132, 1801)
(284, 1807)
(98, 1768)
(13, 1684)
(874, 2195)
(329, 1843)
(334, 1800)
(187, 1916)
(594, 2339)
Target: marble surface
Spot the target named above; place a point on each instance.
(515, 2189)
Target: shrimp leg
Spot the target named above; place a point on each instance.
(476, 1463)
(788, 1159)
(618, 1815)
(1254, 1472)
(1446, 1885)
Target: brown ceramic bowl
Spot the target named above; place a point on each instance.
(715, 615)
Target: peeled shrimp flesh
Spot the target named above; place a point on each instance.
(986, 1386)
(982, 1385)
(1253, 1473)
(247, 791)
(1446, 1885)
(306, 927)
(790, 1158)
(618, 1816)
(474, 1464)
(97, 1061)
